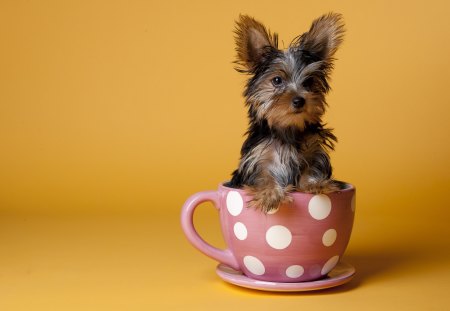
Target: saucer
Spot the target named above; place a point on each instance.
(341, 274)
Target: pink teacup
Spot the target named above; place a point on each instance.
(301, 241)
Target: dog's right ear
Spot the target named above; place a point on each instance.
(324, 37)
(252, 42)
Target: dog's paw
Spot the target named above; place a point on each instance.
(319, 186)
(269, 199)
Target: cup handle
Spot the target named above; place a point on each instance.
(187, 222)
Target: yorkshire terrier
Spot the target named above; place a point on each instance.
(286, 145)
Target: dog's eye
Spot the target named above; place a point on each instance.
(277, 81)
(308, 83)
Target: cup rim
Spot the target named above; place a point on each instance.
(348, 188)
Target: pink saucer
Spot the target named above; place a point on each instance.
(341, 274)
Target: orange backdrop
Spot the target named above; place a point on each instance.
(113, 112)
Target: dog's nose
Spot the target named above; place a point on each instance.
(298, 102)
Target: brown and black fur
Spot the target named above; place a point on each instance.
(286, 145)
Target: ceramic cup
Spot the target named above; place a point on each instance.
(301, 241)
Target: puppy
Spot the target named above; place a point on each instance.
(286, 145)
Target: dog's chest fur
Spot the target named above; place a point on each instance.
(284, 156)
(284, 164)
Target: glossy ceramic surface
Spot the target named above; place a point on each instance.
(301, 241)
(341, 274)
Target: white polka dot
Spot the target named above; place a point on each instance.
(319, 206)
(330, 264)
(234, 203)
(279, 237)
(273, 211)
(240, 231)
(353, 202)
(329, 237)
(295, 271)
(254, 265)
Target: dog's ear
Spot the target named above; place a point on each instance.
(324, 37)
(253, 40)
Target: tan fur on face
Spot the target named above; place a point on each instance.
(282, 114)
(276, 106)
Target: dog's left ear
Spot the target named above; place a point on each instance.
(253, 40)
(324, 37)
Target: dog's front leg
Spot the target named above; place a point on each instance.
(272, 173)
(316, 176)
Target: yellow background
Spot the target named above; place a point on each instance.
(113, 112)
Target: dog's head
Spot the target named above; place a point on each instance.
(287, 87)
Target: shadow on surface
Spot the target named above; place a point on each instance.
(370, 266)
